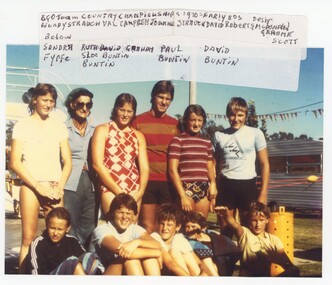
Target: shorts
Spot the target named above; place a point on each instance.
(196, 190)
(90, 263)
(201, 249)
(236, 194)
(158, 192)
(45, 202)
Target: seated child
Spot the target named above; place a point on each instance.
(175, 246)
(57, 253)
(259, 248)
(210, 247)
(123, 245)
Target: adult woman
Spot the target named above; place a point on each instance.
(79, 197)
(39, 141)
(119, 154)
(191, 165)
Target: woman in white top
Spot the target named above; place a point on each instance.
(41, 157)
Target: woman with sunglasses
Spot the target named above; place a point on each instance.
(80, 198)
(119, 154)
(40, 156)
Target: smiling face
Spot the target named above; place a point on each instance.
(237, 119)
(43, 105)
(124, 115)
(194, 123)
(82, 106)
(57, 229)
(123, 218)
(160, 103)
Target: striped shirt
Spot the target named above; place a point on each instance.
(158, 133)
(193, 153)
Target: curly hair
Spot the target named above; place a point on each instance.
(169, 212)
(195, 217)
(72, 97)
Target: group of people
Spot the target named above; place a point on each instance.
(147, 178)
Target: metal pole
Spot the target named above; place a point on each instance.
(192, 92)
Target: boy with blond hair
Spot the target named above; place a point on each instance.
(259, 248)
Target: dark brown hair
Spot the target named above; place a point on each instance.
(121, 200)
(60, 213)
(163, 86)
(122, 99)
(72, 97)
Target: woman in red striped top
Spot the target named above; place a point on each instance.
(191, 165)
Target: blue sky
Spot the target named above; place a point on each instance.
(213, 97)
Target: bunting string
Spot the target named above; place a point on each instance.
(273, 116)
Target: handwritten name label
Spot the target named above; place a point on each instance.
(207, 46)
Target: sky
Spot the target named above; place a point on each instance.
(213, 97)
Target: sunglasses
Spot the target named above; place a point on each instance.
(80, 105)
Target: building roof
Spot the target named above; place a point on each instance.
(294, 147)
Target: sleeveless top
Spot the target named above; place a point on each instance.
(121, 151)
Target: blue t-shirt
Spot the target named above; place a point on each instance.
(237, 151)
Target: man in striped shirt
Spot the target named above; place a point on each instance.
(158, 129)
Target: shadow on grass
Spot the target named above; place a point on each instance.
(314, 254)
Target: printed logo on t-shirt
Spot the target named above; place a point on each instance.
(233, 148)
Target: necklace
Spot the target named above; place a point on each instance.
(78, 126)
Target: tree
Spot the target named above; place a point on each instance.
(179, 118)
(264, 128)
(9, 132)
(252, 120)
(210, 128)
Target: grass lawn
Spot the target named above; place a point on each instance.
(308, 238)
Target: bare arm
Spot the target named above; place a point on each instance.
(212, 191)
(265, 173)
(135, 249)
(145, 241)
(97, 150)
(173, 165)
(224, 213)
(67, 163)
(143, 164)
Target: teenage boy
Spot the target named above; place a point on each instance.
(259, 248)
(124, 246)
(57, 253)
(169, 218)
(158, 129)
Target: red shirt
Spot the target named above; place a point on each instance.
(158, 134)
(193, 153)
